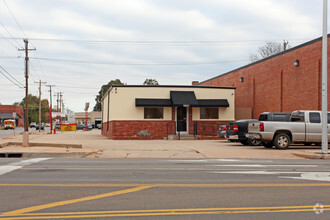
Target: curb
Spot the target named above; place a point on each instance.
(314, 156)
(42, 145)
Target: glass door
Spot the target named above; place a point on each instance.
(182, 120)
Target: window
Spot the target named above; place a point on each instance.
(314, 117)
(297, 117)
(209, 113)
(153, 113)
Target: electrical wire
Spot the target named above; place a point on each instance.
(10, 80)
(19, 45)
(131, 63)
(12, 76)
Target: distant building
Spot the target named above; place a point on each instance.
(94, 118)
(12, 112)
(154, 112)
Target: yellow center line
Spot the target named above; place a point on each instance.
(173, 185)
(168, 212)
(61, 203)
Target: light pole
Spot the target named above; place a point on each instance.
(325, 80)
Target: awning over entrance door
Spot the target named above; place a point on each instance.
(183, 98)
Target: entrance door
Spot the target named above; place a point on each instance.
(182, 120)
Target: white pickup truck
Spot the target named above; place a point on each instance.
(304, 127)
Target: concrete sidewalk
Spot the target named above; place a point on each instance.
(93, 144)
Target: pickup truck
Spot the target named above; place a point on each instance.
(304, 127)
(237, 130)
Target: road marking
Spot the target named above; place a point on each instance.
(66, 202)
(261, 165)
(165, 212)
(17, 165)
(229, 185)
(318, 176)
(254, 172)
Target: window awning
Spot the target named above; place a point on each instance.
(212, 103)
(182, 98)
(153, 102)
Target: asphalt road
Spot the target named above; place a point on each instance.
(44, 188)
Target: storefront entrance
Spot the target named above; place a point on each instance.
(182, 120)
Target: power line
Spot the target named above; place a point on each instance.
(14, 18)
(10, 36)
(12, 76)
(140, 63)
(10, 80)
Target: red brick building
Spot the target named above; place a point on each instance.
(12, 112)
(288, 81)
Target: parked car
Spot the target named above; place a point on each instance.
(57, 126)
(42, 126)
(80, 127)
(220, 133)
(304, 127)
(99, 126)
(33, 125)
(236, 131)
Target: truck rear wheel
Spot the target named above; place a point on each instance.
(282, 141)
(254, 142)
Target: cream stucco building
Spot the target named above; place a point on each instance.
(154, 112)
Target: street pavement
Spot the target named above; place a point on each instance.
(103, 188)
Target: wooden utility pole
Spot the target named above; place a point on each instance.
(40, 103)
(51, 108)
(26, 121)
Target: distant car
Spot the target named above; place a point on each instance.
(222, 131)
(80, 127)
(47, 125)
(33, 125)
(99, 126)
(42, 126)
(57, 126)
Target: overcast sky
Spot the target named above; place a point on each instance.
(83, 44)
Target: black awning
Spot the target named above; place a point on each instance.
(212, 103)
(153, 102)
(182, 98)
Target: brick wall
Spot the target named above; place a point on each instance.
(276, 85)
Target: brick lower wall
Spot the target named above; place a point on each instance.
(129, 130)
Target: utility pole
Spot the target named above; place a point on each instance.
(26, 122)
(285, 43)
(51, 108)
(60, 102)
(40, 102)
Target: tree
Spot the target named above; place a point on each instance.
(270, 48)
(150, 82)
(102, 91)
(33, 105)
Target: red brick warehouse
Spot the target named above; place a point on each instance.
(288, 81)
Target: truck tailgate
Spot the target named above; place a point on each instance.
(254, 127)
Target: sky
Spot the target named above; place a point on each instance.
(83, 44)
